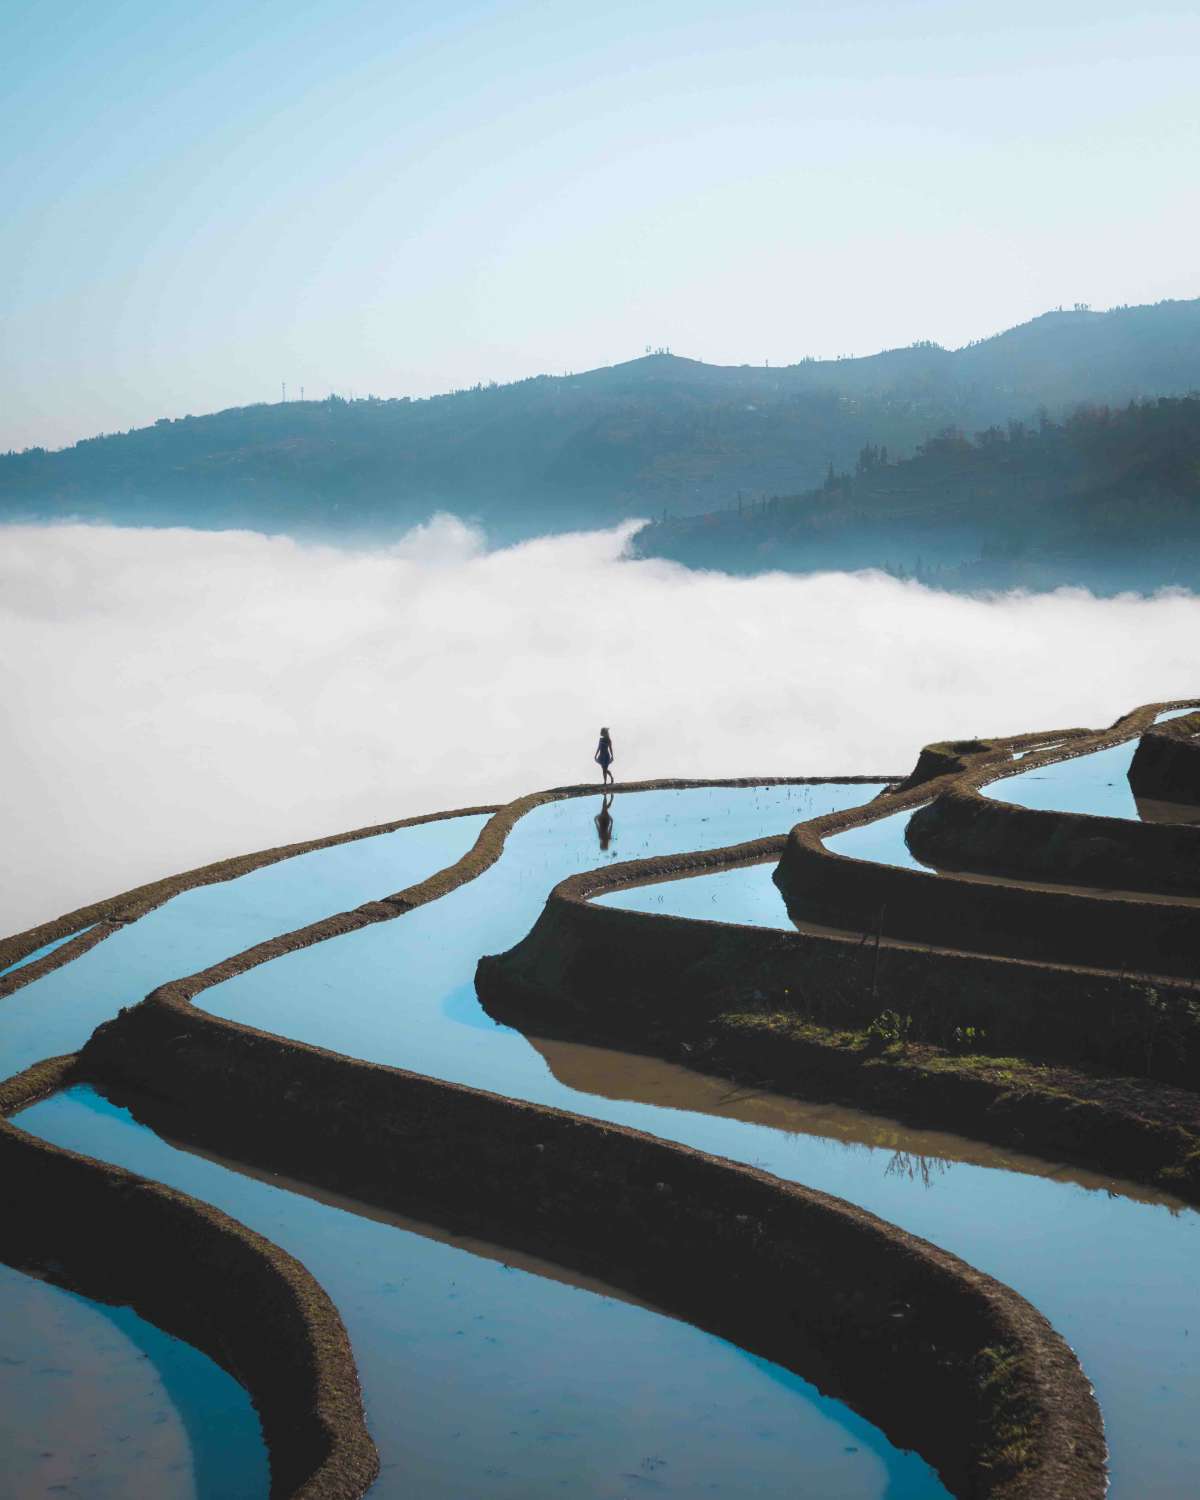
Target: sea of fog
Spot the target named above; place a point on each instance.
(171, 696)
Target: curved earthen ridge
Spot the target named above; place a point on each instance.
(954, 757)
(1113, 931)
(116, 911)
(663, 984)
(1166, 763)
(1008, 1412)
(654, 982)
(106, 916)
(965, 829)
(200, 1275)
(942, 1358)
(103, 918)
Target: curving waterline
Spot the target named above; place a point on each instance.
(971, 946)
(198, 1274)
(755, 851)
(485, 851)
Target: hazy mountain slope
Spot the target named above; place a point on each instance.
(1108, 498)
(633, 439)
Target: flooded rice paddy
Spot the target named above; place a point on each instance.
(1079, 1253)
(1111, 1265)
(46, 948)
(747, 897)
(1097, 783)
(58, 1012)
(96, 1402)
(487, 1374)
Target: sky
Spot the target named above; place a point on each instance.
(204, 201)
(173, 697)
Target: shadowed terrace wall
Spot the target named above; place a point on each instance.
(965, 830)
(201, 1276)
(654, 975)
(102, 918)
(1150, 948)
(423, 1147)
(1166, 763)
(46, 1223)
(635, 979)
(941, 1358)
(1121, 933)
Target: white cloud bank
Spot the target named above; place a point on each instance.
(171, 697)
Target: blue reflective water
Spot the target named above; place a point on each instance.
(32, 958)
(412, 1002)
(882, 842)
(1097, 784)
(58, 1012)
(1116, 1276)
(95, 1401)
(747, 897)
(483, 1379)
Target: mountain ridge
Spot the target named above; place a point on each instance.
(660, 432)
(1107, 499)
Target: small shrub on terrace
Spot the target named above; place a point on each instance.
(888, 1028)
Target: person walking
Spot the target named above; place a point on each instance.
(604, 755)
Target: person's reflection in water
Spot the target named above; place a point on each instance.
(604, 822)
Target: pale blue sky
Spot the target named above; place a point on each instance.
(202, 200)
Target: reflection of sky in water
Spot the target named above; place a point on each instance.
(32, 958)
(747, 896)
(881, 842)
(57, 1013)
(402, 992)
(482, 1379)
(1070, 1250)
(94, 1401)
(1096, 783)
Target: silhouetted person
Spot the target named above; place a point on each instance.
(604, 822)
(604, 755)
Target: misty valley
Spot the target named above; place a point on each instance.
(599, 751)
(1061, 452)
(796, 1113)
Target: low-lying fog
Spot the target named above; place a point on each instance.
(171, 697)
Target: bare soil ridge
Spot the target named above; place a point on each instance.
(798, 1011)
(1027, 1411)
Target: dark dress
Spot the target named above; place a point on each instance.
(604, 754)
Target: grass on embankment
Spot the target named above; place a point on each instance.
(1123, 1126)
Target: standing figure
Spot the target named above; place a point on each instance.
(604, 755)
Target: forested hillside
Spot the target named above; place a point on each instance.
(552, 453)
(1108, 498)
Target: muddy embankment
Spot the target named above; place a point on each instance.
(961, 829)
(941, 1358)
(1166, 763)
(789, 1011)
(199, 1275)
(1062, 1039)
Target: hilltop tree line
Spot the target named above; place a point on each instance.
(1110, 496)
(658, 433)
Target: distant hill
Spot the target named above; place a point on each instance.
(1108, 499)
(553, 453)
